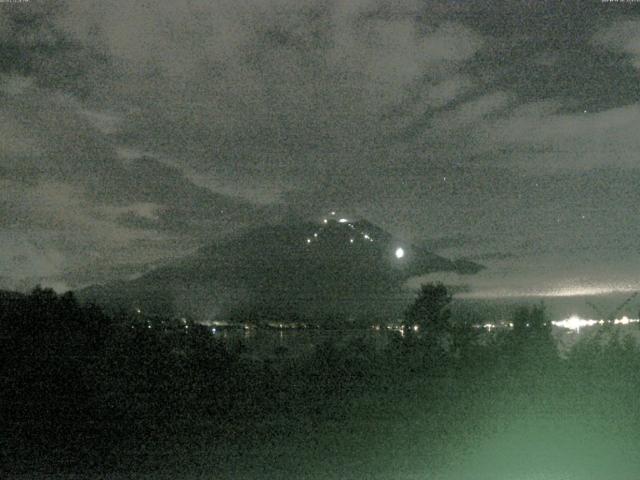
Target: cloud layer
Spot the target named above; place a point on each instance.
(136, 132)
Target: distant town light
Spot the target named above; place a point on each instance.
(575, 323)
(343, 220)
(308, 240)
(351, 240)
(624, 320)
(325, 220)
(399, 252)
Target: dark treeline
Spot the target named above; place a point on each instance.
(80, 389)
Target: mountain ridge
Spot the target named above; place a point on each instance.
(336, 268)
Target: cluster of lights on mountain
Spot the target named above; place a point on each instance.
(399, 251)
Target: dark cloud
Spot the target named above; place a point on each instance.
(492, 256)
(453, 241)
(33, 45)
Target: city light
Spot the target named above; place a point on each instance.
(575, 323)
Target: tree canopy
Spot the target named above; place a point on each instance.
(430, 310)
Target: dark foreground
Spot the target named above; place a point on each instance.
(107, 399)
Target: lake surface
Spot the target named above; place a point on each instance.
(289, 342)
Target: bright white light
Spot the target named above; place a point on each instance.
(308, 240)
(366, 236)
(625, 320)
(575, 323)
(351, 240)
(315, 235)
(399, 252)
(325, 220)
(333, 213)
(343, 220)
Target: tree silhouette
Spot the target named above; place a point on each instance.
(530, 323)
(532, 343)
(430, 313)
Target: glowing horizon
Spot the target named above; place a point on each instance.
(574, 291)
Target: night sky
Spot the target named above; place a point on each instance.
(503, 131)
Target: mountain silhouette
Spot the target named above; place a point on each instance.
(301, 270)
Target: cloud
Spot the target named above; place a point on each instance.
(623, 35)
(65, 186)
(148, 128)
(275, 89)
(535, 137)
(589, 124)
(24, 258)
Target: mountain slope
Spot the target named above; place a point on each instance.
(336, 268)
